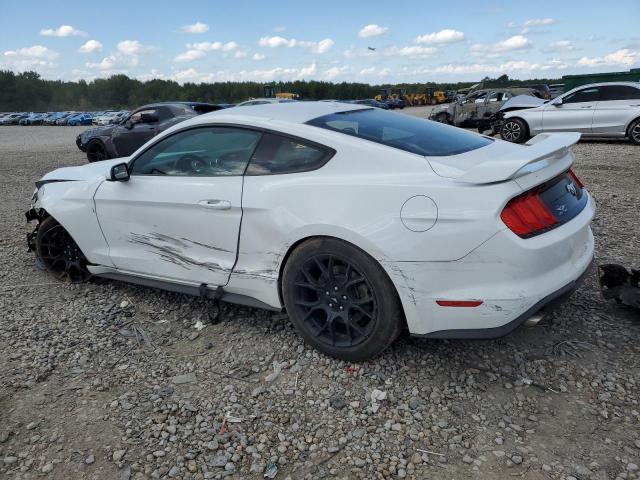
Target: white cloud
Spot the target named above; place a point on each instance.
(229, 46)
(307, 72)
(367, 71)
(189, 56)
(372, 30)
(280, 28)
(539, 21)
(274, 74)
(623, 57)
(276, 41)
(115, 63)
(91, 46)
(443, 36)
(197, 27)
(199, 49)
(258, 56)
(62, 31)
(36, 57)
(484, 68)
(517, 42)
(205, 46)
(414, 51)
(334, 72)
(133, 47)
(565, 45)
(37, 51)
(385, 72)
(322, 46)
(533, 24)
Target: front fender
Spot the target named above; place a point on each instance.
(71, 204)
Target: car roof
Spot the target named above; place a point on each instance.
(292, 112)
(604, 84)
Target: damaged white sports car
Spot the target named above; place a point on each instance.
(360, 222)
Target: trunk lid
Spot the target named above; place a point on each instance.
(543, 157)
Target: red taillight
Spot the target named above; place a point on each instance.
(575, 179)
(526, 215)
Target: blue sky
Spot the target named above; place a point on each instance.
(285, 40)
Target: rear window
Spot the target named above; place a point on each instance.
(411, 134)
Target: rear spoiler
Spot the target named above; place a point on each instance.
(539, 152)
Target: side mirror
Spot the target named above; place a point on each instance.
(120, 172)
(128, 125)
(557, 102)
(149, 117)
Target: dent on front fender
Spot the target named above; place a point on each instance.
(72, 205)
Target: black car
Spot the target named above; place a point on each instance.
(124, 138)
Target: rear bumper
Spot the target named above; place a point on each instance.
(514, 278)
(545, 306)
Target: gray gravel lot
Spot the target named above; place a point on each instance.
(112, 381)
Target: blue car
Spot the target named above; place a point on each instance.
(80, 119)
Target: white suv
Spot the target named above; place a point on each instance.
(596, 110)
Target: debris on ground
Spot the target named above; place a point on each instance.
(377, 396)
(620, 284)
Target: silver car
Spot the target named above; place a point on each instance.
(596, 110)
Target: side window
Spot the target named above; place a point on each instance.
(137, 117)
(586, 95)
(620, 92)
(203, 151)
(278, 155)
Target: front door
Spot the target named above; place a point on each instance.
(178, 216)
(135, 132)
(574, 114)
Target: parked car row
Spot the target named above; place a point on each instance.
(63, 118)
(606, 110)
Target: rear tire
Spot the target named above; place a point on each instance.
(340, 300)
(514, 130)
(59, 253)
(634, 132)
(96, 151)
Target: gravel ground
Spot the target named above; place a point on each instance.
(111, 381)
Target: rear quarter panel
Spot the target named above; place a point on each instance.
(357, 197)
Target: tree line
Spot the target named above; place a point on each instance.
(27, 91)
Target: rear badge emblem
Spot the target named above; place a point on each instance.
(562, 209)
(571, 188)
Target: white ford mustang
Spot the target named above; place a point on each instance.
(360, 222)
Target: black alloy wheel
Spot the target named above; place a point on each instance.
(335, 301)
(341, 300)
(96, 152)
(59, 253)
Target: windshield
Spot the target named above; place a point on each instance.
(411, 134)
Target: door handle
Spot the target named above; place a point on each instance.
(215, 204)
(588, 106)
